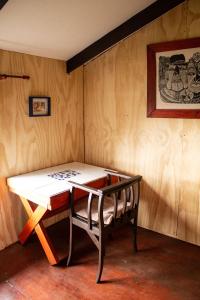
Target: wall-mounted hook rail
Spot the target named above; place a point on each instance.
(5, 76)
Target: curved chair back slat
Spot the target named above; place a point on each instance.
(115, 205)
(89, 210)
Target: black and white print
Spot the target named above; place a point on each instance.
(63, 175)
(179, 77)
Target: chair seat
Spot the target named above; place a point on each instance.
(108, 209)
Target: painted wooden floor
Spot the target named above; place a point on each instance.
(164, 269)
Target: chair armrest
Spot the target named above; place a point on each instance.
(110, 188)
(121, 184)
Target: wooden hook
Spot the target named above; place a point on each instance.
(4, 76)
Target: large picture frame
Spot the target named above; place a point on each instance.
(173, 79)
(39, 106)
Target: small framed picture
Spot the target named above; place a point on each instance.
(39, 106)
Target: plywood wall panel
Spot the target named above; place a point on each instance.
(189, 206)
(26, 143)
(119, 135)
(193, 19)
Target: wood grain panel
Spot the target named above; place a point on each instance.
(118, 134)
(189, 208)
(27, 144)
(193, 18)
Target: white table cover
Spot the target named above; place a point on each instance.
(39, 186)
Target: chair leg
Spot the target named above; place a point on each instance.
(135, 238)
(101, 259)
(134, 230)
(70, 241)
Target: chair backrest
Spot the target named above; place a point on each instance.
(115, 203)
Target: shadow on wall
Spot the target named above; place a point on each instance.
(12, 216)
(155, 213)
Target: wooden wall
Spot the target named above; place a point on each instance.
(119, 135)
(28, 144)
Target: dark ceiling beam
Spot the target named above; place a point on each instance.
(2, 3)
(142, 18)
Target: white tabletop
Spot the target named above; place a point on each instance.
(39, 186)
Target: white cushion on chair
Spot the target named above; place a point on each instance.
(108, 209)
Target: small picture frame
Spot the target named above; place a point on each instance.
(39, 106)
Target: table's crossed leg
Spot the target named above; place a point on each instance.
(35, 223)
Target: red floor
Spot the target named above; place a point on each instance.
(164, 269)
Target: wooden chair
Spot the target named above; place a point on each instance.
(105, 209)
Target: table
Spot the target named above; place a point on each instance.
(45, 193)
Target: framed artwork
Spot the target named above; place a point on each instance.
(173, 79)
(39, 106)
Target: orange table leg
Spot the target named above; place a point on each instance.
(35, 223)
(34, 219)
